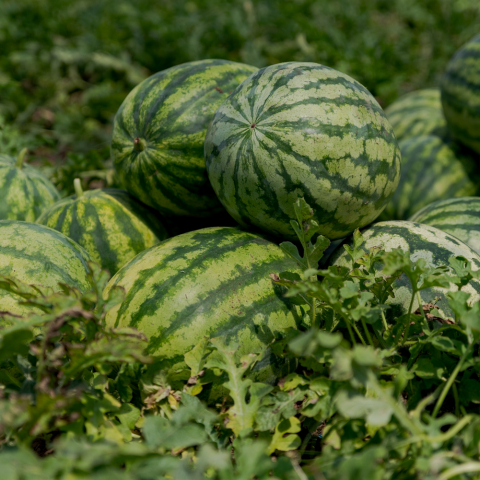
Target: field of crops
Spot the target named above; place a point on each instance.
(240, 241)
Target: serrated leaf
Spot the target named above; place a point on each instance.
(241, 416)
(292, 251)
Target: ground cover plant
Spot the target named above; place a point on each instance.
(369, 396)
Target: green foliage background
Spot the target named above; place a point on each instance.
(67, 65)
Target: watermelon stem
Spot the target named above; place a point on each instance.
(139, 144)
(21, 158)
(77, 185)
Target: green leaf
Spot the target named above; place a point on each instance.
(292, 251)
(284, 438)
(241, 416)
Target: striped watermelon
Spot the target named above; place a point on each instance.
(460, 88)
(422, 241)
(302, 130)
(433, 168)
(417, 113)
(24, 191)
(110, 224)
(38, 255)
(459, 217)
(158, 136)
(207, 283)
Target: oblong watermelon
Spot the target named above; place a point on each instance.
(460, 88)
(158, 135)
(39, 255)
(433, 168)
(24, 191)
(208, 283)
(459, 217)
(417, 113)
(112, 225)
(422, 241)
(302, 130)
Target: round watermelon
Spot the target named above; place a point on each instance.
(112, 225)
(421, 241)
(417, 113)
(39, 255)
(433, 168)
(460, 88)
(302, 130)
(208, 283)
(459, 217)
(158, 136)
(24, 191)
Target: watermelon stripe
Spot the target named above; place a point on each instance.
(433, 168)
(417, 113)
(209, 282)
(110, 224)
(422, 241)
(459, 217)
(312, 132)
(171, 111)
(38, 255)
(25, 192)
(461, 94)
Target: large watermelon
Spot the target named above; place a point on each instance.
(38, 255)
(460, 88)
(422, 241)
(24, 191)
(459, 217)
(302, 130)
(112, 225)
(433, 168)
(207, 283)
(158, 135)
(417, 113)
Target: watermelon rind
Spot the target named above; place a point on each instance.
(417, 113)
(208, 283)
(422, 241)
(159, 131)
(297, 130)
(459, 217)
(460, 87)
(112, 225)
(24, 191)
(433, 168)
(38, 255)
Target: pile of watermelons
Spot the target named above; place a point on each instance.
(212, 156)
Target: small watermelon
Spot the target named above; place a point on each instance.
(302, 130)
(208, 283)
(422, 241)
(158, 136)
(433, 168)
(112, 225)
(39, 255)
(417, 113)
(459, 217)
(460, 88)
(24, 191)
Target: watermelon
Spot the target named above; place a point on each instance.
(24, 191)
(208, 283)
(158, 136)
(417, 113)
(460, 87)
(421, 241)
(112, 225)
(433, 168)
(302, 130)
(39, 255)
(459, 217)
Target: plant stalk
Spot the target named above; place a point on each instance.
(21, 158)
(77, 185)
